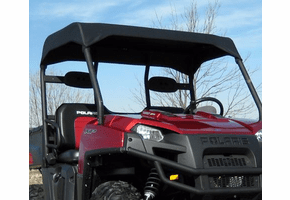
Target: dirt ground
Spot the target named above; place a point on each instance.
(36, 191)
(35, 177)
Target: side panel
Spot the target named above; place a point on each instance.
(35, 148)
(79, 126)
(98, 137)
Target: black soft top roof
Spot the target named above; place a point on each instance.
(183, 51)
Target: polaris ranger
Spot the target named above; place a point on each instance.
(86, 151)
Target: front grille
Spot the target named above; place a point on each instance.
(230, 181)
(226, 161)
(220, 162)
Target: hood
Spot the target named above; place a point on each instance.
(199, 123)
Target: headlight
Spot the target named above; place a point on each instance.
(259, 135)
(149, 133)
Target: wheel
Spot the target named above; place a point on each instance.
(115, 190)
(188, 109)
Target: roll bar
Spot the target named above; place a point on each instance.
(250, 86)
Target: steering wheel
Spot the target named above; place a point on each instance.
(188, 109)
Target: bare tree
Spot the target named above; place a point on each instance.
(213, 78)
(34, 100)
(56, 95)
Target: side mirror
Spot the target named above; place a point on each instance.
(162, 84)
(78, 79)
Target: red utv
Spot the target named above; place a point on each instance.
(86, 151)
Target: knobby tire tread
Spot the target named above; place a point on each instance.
(116, 190)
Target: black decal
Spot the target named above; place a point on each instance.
(213, 140)
(204, 140)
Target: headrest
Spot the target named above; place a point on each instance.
(78, 79)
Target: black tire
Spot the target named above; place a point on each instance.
(36, 192)
(116, 190)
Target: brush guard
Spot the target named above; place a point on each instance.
(233, 176)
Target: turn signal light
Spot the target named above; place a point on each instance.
(174, 177)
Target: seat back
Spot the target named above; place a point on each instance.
(208, 109)
(65, 118)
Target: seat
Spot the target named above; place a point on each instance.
(65, 118)
(208, 109)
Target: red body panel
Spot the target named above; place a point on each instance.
(79, 126)
(98, 137)
(111, 134)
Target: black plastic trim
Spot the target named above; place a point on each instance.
(86, 188)
(79, 186)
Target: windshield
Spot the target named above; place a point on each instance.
(222, 79)
(118, 84)
(122, 88)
